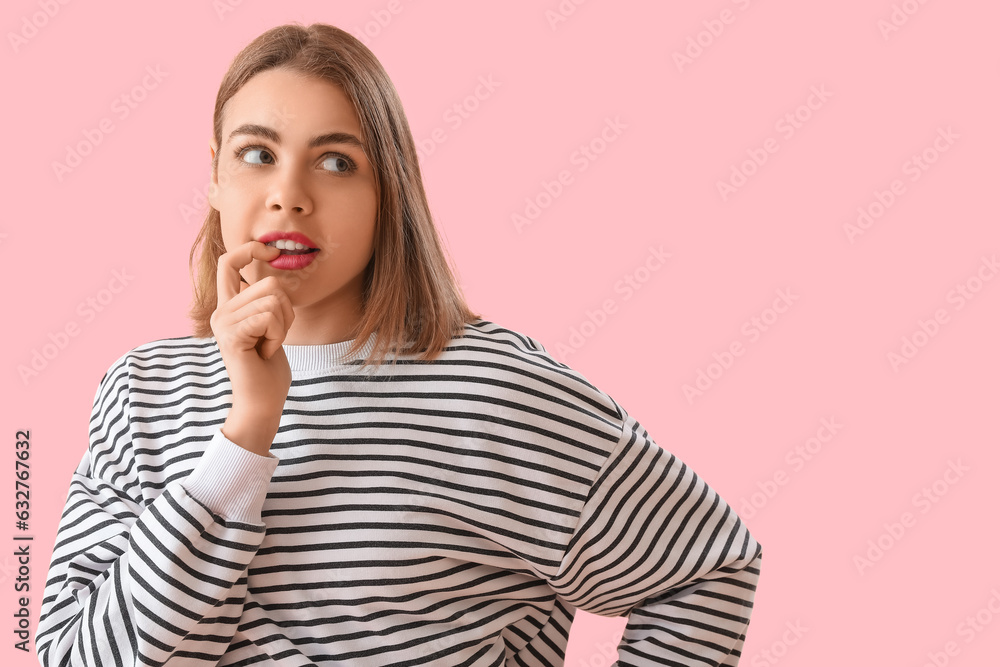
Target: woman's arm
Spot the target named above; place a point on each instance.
(654, 541)
(136, 584)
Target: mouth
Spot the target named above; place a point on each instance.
(288, 247)
(289, 242)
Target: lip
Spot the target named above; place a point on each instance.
(293, 262)
(292, 236)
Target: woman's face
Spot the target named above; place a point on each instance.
(280, 170)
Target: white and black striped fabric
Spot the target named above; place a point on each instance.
(451, 512)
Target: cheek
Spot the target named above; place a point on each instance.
(362, 230)
(229, 240)
(228, 234)
(362, 210)
(233, 215)
(359, 194)
(233, 181)
(352, 212)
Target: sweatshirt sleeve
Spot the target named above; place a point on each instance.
(656, 543)
(138, 582)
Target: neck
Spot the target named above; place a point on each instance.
(332, 320)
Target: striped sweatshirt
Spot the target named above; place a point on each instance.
(448, 512)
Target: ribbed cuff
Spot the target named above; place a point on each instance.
(230, 480)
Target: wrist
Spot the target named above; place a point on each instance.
(230, 480)
(252, 429)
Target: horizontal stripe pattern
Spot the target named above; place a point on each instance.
(450, 512)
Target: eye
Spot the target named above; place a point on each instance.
(339, 163)
(254, 149)
(336, 163)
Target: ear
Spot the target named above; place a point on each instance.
(213, 186)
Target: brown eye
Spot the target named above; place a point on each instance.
(250, 150)
(339, 164)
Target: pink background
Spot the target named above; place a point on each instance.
(684, 128)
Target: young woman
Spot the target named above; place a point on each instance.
(272, 491)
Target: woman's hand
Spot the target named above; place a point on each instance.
(250, 323)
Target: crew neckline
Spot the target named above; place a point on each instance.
(305, 358)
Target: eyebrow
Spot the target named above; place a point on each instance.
(321, 140)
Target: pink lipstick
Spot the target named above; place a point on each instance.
(297, 250)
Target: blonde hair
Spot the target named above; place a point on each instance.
(410, 297)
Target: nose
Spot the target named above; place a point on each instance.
(288, 192)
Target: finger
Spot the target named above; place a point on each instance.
(261, 290)
(254, 304)
(259, 331)
(268, 303)
(228, 277)
(274, 334)
(288, 313)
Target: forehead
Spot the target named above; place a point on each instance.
(297, 106)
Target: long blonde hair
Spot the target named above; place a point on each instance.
(410, 297)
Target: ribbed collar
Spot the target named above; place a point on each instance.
(309, 358)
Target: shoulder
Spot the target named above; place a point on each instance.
(495, 351)
(165, 358)
(494, 338)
